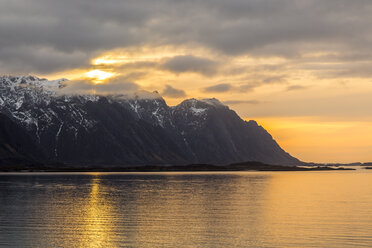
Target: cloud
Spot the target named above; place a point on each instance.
(274, 79)
(296, 87)
(129, 65)
(236, 102)
(245, 86)
(115, 86)
(219, 88)
(248, 87)
(190, 63)
(42, 36)
(25, 59)
(169, 91)
(130, 77)
(352, 70)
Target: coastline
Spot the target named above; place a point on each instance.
(246, 166)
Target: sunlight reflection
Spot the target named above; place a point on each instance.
(97, 218)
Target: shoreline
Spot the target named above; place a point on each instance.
(249, 166)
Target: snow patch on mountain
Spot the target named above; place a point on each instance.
(198, 111)
(37, 105)
(213, 101)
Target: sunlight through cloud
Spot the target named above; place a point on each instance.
(99, 76)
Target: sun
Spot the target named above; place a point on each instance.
(99, 76)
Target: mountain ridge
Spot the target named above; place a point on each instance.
(132, 130)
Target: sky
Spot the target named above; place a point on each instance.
(301, 68)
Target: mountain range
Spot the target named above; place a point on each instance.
(39, 124)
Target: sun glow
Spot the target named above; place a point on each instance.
(104, 61)
(330, 140)
(99, 76)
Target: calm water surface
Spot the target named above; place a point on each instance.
(242, 209)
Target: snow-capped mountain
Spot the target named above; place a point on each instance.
(122, 130)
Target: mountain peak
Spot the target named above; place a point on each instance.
(33, 81)
(207, 102)
(200, 107)
(213, 101)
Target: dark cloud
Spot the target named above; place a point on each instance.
(219, 88)
(190, 63)
(169, 91)
(74, 31)
(27, 59)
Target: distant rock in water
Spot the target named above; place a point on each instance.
(121, 130)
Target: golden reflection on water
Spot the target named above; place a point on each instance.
(96, 219)
(243, 209)
(320, 208)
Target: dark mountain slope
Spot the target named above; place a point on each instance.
(16, 147)
(121, 130)
(217, 134)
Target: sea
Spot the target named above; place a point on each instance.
(187, 209)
